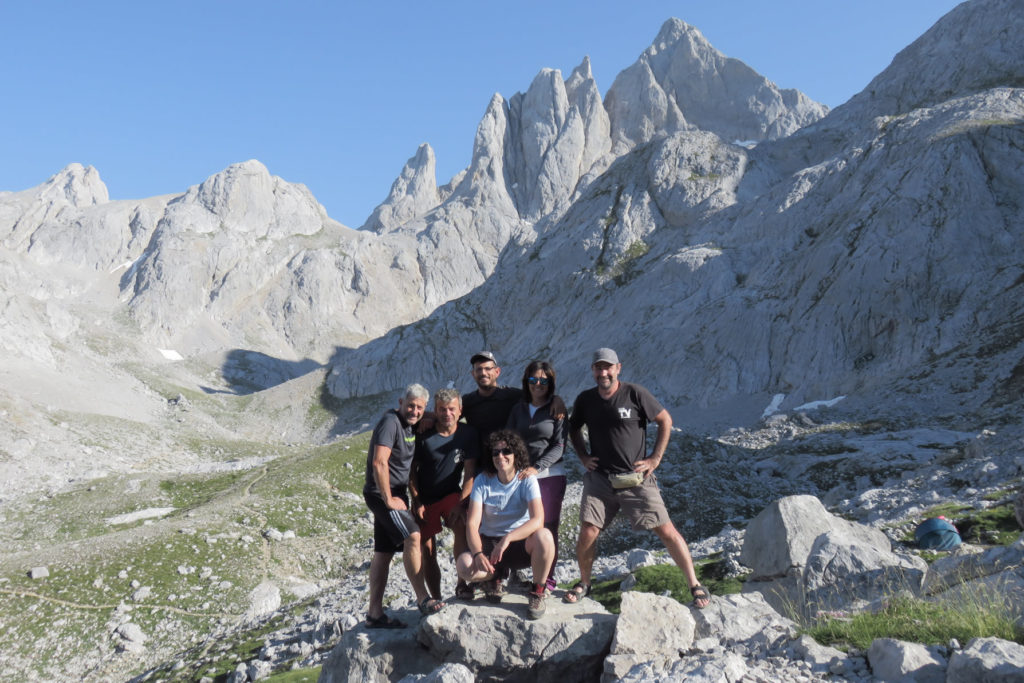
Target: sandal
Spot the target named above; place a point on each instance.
(576, 593)
(431, 606)
(700, 594)
(383, 621)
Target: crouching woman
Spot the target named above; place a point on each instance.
(505, 523)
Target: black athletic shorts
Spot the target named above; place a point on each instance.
(390, 527)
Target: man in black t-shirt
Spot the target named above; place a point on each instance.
(487, 407)
(442, 479)
(620, 474)
(388, 461)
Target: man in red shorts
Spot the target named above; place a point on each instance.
(442, 479)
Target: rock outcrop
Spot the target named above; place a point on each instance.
(814, 266)
(805, 560)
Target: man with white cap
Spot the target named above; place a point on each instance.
(620, 474)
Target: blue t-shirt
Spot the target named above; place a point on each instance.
(505, 506)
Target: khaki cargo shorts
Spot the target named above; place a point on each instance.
(642, 504)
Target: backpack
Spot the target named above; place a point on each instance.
(936, 533)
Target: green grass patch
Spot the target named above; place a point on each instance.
(191, 491)
(668, 578)
(917, 621)
(298, 676)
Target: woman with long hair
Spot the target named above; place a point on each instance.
(544, 429)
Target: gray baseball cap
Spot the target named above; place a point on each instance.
(482, 356)
(605, 356)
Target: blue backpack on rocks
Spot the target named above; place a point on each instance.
(937, 533)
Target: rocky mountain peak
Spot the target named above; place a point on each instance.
(412, 195)
(77, 185)
(682, 80)
(244, 197)
(976, 46)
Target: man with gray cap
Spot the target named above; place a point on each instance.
(620, 474)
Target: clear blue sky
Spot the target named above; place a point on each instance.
(338, 95)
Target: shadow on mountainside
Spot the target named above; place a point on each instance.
(250, 371)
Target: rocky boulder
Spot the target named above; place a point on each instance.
(991, 660)
(496, 642)
(805, 559)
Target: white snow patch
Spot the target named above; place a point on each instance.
(148, 513)
(773, 407)
(126, 264)
(170, 354)
(820, 404)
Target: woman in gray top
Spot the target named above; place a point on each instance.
(544, 428)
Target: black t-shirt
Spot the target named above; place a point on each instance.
(489, 413)
(616, 426)
(393, 432)
(439, 460)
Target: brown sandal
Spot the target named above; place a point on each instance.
(576, 593)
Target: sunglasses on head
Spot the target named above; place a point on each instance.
(502, 451)
(543, 381)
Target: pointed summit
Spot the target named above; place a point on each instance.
(681, 79)
(413, 194)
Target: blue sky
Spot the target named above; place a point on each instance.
(338, 95)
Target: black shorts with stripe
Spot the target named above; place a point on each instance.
(390, 527)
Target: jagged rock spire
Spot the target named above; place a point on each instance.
(682, 80)
(413, 194)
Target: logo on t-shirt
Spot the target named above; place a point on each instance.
(624, 413)
(458, 456)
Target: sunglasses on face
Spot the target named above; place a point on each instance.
(501, 451)
(543, 381)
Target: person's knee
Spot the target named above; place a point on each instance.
(669, 534)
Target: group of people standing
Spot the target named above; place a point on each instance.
(489, 466)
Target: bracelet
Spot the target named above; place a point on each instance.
(478, 552)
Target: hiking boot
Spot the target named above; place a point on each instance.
(465, 591)
(535, 609)
(494, 591)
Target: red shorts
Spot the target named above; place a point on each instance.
(433, 516)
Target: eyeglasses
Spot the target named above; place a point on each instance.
(501, 451)
(543, 381)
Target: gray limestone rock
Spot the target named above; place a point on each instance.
(987, 660)
(263, 600)
(896, 660)
(650, 628)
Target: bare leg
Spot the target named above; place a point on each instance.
(380, 565)
(413, 560)
(680, 552)
(586, 550)
(541, 546)
(459, 530)
(431, 571)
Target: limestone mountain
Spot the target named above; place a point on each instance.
(884, 263)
